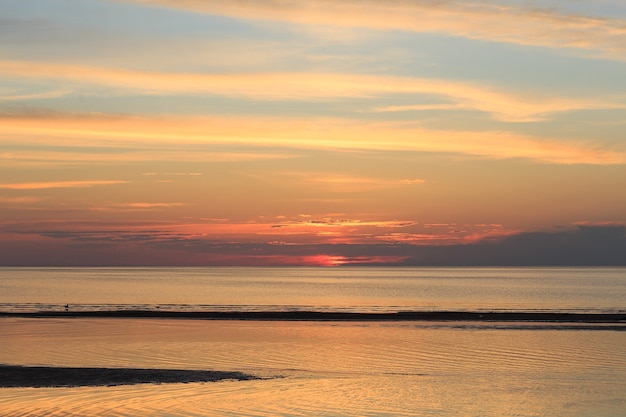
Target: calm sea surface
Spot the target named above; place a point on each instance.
(321, 368)
(354, 289)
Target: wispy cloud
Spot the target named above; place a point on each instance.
(327, 134)
(176, 174)
(509, 106)
(333, 222)
(484, 20)
(139, 206)
(76, 243)
(103, 155)
(348, 183)
(57, 184)
(15, 96)
(19, 200)
(410, 181)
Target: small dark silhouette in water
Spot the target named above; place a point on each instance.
(67, 307)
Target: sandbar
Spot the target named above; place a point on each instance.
(17, 376)
(471, 316)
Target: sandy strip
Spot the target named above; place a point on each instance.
(13, 376)
(553, 317)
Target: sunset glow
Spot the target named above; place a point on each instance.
(312, 132)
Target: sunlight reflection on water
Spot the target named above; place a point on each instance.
(334, 369)
(322, 368)
(319, 289)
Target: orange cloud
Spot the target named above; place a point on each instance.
(19, 200)
(138, 206)
(410, 181)
(416, 238)
(470, 19)
(508, 106)
(339, 260)
(327, 134)
(32, 96)
(345, 183)
(58, 184)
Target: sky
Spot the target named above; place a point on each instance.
(312, 132)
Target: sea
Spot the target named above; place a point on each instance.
(320, 367)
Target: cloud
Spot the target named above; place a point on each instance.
(104, 153)
(58, 184)
(97, 232)
(347, 184)
(19, 200)
(175, 174)
(139, 206)
(305, 133)
(411, 181)
(482, 20)
(32, 96)
(510, 106)
(33, 245)
(332, 222)
(585, 245)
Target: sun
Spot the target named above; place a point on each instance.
(327, 260)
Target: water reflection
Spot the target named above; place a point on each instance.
(338, 369)
(357, 289)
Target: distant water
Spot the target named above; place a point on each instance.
(318, 289)
(338, 369)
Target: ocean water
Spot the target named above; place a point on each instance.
(322, 368)
(361, 289)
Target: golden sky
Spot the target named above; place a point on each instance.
(312, 132)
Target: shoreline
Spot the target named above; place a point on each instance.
(18, 376)
(428, 316)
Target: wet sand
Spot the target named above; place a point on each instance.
(14, 376)
(465, 316)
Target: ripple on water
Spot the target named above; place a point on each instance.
(334, 369)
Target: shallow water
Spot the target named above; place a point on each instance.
(323, 368)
